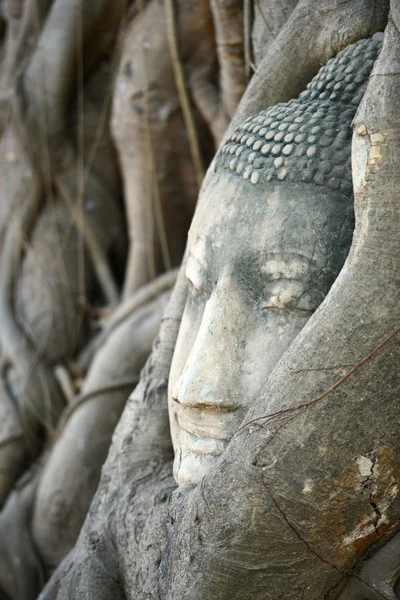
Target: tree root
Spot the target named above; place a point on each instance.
(144, 295)
(295, 55)
(21, 572)
(26, 355)
(229, 33)
(182, 93)
(73, 468)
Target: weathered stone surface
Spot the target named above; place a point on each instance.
(307, 139)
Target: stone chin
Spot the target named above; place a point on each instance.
(191, 468)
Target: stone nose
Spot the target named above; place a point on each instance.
(209, 378)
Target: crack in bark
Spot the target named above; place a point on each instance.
(382, 346)
(293, 528)
(314, 552)
(371, 479)
(377, 512)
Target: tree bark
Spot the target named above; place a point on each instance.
(307, 489)
(309, 483)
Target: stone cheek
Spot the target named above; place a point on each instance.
(307, 139)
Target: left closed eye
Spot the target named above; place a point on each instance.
(281, 294)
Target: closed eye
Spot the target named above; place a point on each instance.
(283, 294)
(288, 308)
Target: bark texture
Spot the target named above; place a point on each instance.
(304, 502)
(309, 484)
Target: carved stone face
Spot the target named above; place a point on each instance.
(269, 237)
(261, 259)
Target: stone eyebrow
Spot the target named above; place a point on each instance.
(307, 139)
(290, 267)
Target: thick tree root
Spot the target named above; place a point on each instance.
(304, 41)
(46, 279)
(124, 311)
(73, 468)
(288, 511)
(159, 171)
(64, 490)
(148, 482)
(21, 572)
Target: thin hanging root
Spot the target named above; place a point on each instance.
(34, 13)
(160, 221)
(50, 78)
(247, 26)
(64, 380)
(217, 105)
(229, 32)
(99, 260)
(149, 128)
(182, 92)
(152, 178)
(41, 402)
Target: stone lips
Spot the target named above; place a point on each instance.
(307, 139)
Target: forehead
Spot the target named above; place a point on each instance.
(235, 216)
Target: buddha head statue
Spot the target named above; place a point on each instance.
(271, 232)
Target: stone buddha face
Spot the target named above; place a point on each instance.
(260, 261)
(271, 232)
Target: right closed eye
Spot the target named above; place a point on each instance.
(281, 294)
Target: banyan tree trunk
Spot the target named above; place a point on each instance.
(287, 513)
